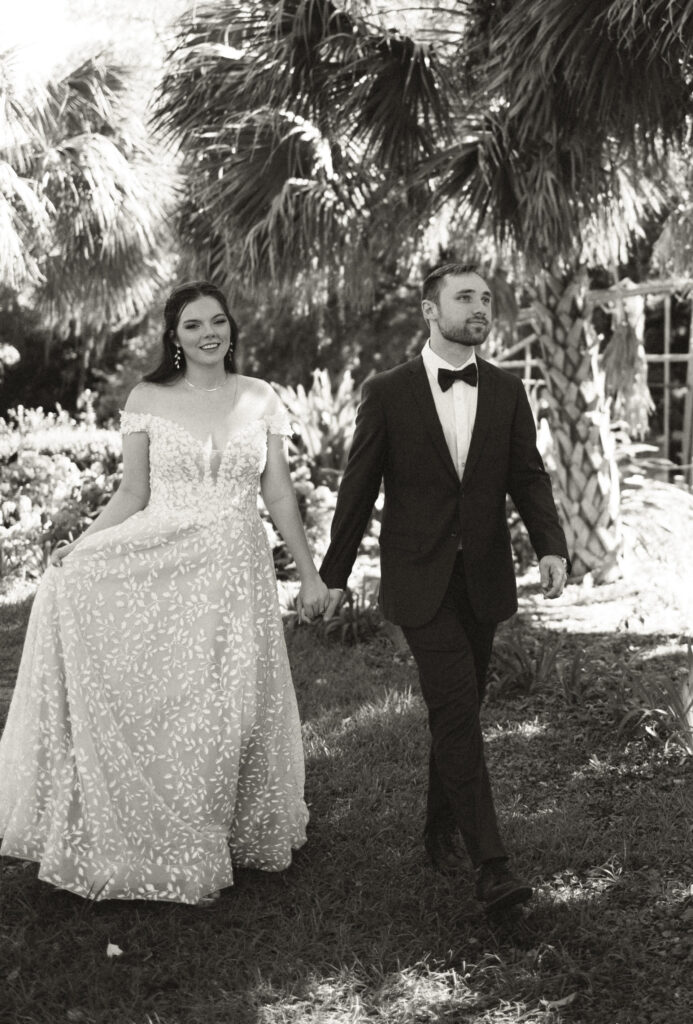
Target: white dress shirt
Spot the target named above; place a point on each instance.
(456, 407)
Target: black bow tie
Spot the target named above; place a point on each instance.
(446, 378)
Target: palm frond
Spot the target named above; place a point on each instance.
(18, 128)
(231, 59)
(270, 200)
(291, 117)
(631, 198)
(85, 198)
(23, 209)
(534, 118)
(87, 98)
(573, 65)
(106, 230)
(23, 227)
(660, 27)
(399, 104)
(673, 250)
(579, 195)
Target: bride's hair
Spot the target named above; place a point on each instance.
(175, 304)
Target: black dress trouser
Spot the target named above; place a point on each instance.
(452, 653)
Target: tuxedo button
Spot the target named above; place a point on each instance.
(454, 533)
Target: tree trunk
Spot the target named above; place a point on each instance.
(586, 483)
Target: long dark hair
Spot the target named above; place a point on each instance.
(176, 302)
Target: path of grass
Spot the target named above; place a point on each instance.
(360, 928)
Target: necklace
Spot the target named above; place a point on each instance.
(196, 387)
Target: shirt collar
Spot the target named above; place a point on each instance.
(434, 362)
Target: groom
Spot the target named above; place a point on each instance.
(450, 435)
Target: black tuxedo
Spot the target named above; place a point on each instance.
(428, 510)
(447, 601)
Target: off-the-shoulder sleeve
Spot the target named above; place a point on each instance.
(277, 418)
(134, 422)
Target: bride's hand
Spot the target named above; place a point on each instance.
(313, 599)
(59, 552)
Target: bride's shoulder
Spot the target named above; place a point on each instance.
(253, 385)
(143, 398)
(258, 391)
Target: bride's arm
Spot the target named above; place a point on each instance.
(280, 498)
(132, 494)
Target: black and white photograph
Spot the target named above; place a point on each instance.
(346, 512)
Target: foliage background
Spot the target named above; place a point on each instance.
(589, 724)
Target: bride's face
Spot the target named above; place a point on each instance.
(204, 332)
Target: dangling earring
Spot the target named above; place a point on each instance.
(176, 357)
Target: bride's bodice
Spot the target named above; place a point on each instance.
(190, 477)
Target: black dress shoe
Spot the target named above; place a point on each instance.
(498, 889)
(444, 851)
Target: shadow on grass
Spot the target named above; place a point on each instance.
(360, 927)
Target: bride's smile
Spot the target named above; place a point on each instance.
(154, 744)
(203, 335)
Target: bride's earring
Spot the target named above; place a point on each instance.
(176, 358)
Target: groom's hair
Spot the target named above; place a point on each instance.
(431, 286)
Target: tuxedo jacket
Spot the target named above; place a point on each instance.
(428, 510)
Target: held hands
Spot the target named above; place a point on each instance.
(335, 598)
(313, 599)
(553, 572)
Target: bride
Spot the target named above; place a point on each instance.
(153, 739)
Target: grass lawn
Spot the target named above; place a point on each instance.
(360, 928)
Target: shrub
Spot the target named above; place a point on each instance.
(662, 708)
(56, 474)
(356, 620)
(518, 664)
(323, 419)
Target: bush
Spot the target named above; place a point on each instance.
(662, 708)
(57, 473)
(323, 419)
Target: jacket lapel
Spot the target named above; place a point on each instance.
(427, 408)
(484, 416)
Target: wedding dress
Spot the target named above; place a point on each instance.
(153, 739)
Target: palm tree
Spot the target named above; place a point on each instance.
(319, 140)
(296, 119)
(23, 210)
(87, 208)
(590, 100)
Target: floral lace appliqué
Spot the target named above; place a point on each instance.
(153, 740)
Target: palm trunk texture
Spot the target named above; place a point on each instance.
(584, 470)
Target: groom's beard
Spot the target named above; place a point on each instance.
(468, 333)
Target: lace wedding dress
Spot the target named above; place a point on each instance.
(153, 739)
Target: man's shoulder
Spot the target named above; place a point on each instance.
(385, 379)
(498, 373)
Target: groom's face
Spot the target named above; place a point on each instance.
(462, 310)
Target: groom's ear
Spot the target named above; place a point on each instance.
(429, 310)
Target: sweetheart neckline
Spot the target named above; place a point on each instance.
(188, 433)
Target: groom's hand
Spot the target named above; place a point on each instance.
(313, 598)
(553, 572)
(335, 598)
